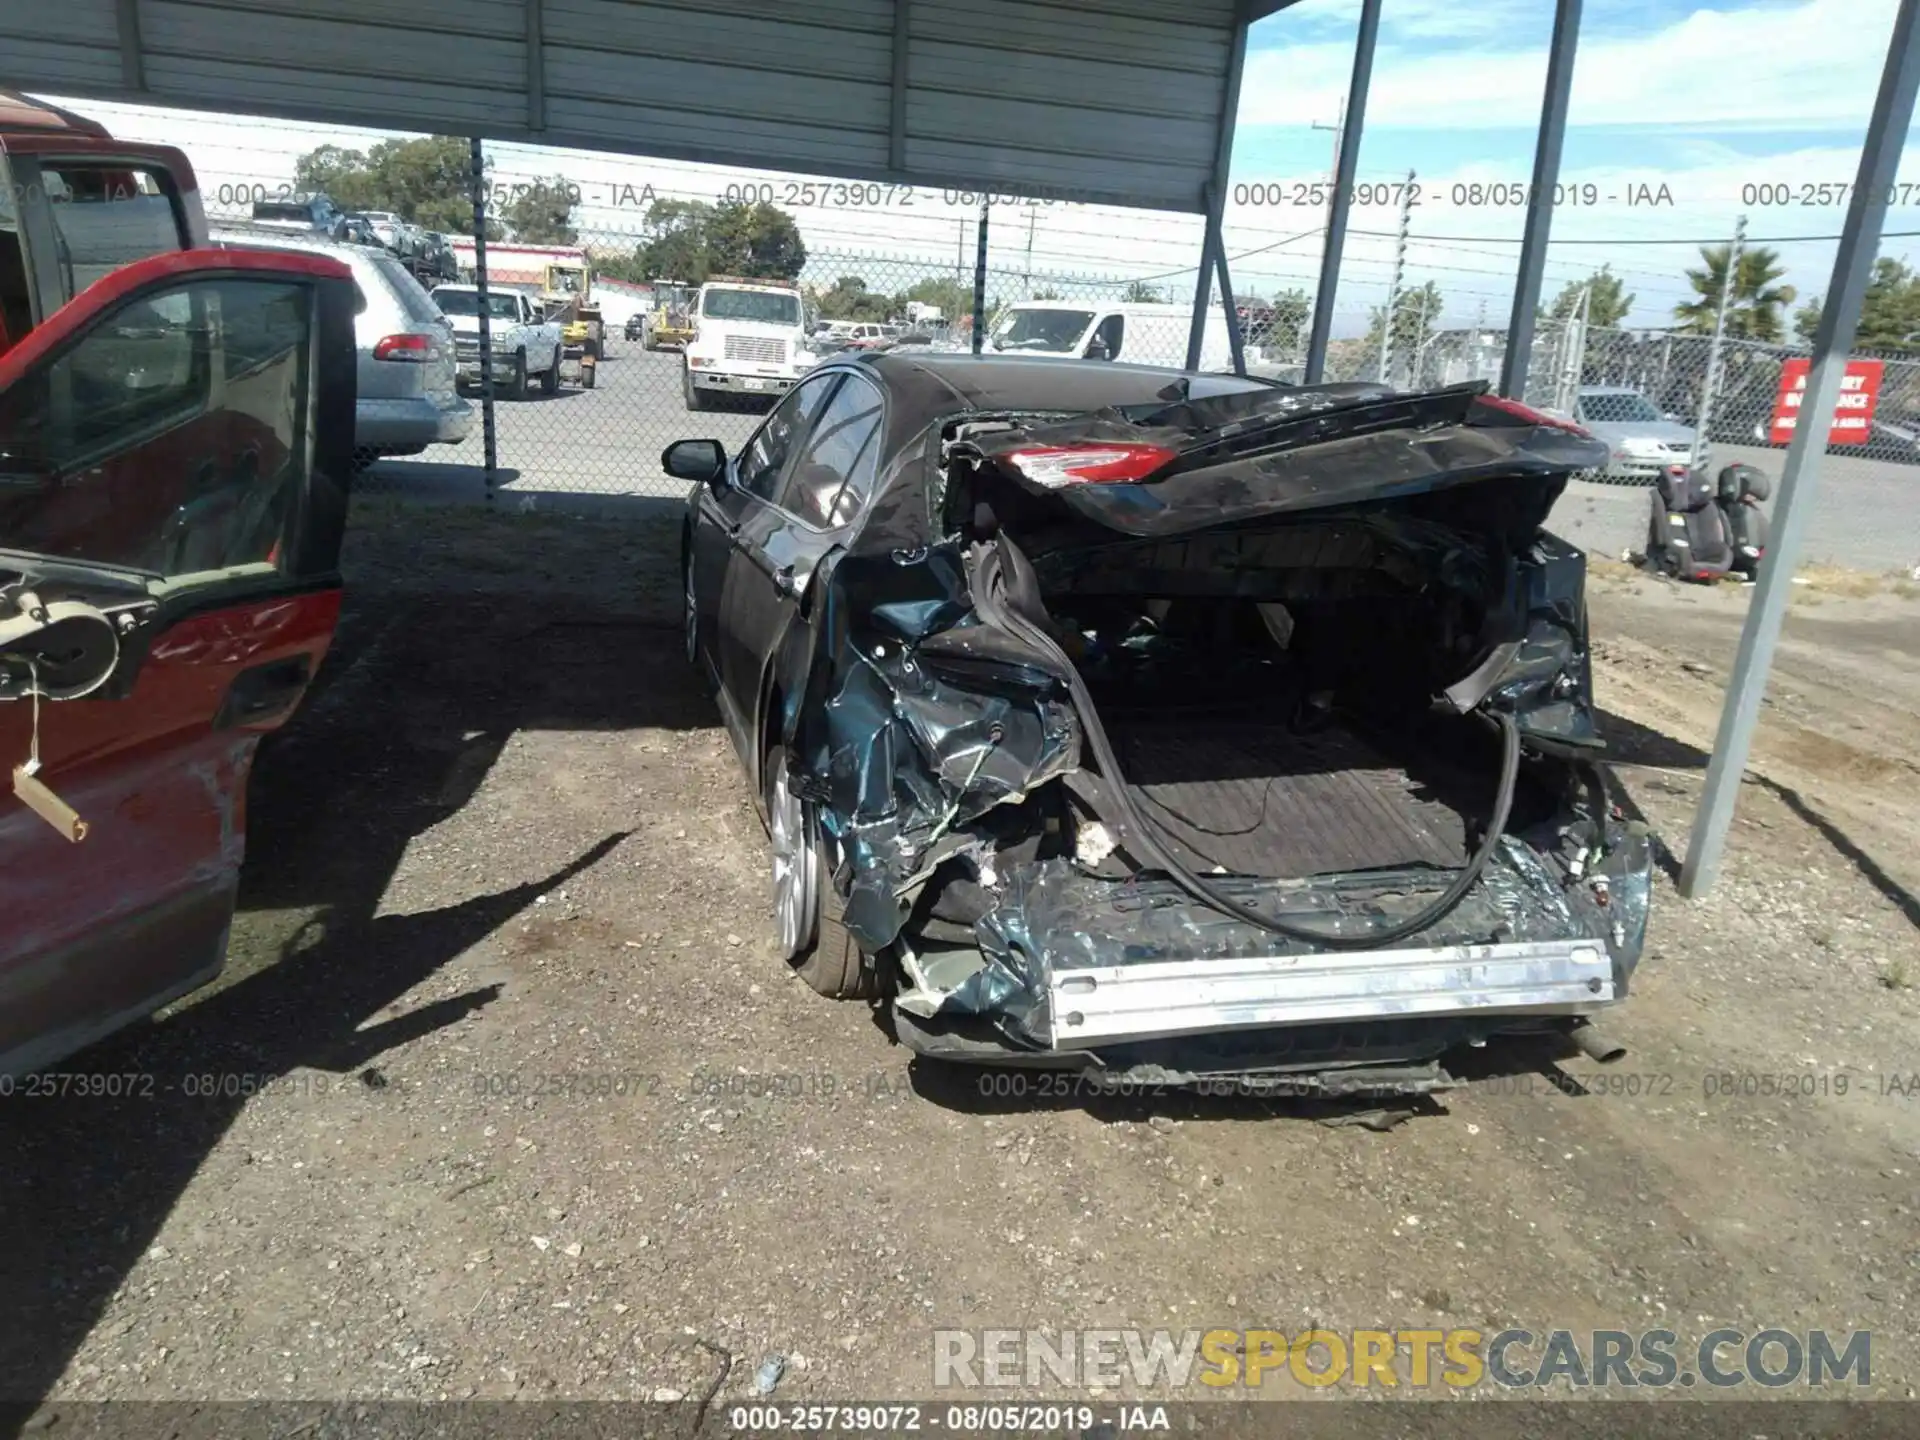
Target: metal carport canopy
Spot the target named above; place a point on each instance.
(1126, 102)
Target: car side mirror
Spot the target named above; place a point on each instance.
(1097, 349)
(701, 461)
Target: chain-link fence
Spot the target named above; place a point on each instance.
(1051, 275)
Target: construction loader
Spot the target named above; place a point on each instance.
(569, 299)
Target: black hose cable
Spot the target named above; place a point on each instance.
(1148, 835)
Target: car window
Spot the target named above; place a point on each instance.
(834, 472)
(774, 442)
(107, 214)
(16, 304)
(412, 295)
(168, 437)
(1112, 331)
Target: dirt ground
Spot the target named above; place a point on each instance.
(502, 977)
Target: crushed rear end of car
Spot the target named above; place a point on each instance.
(1241, 737)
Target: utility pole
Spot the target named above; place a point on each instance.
(1338, 128)
(1701, 446)
(1393, 289)
(1033, 211)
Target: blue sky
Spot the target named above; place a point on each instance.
(1704, 99)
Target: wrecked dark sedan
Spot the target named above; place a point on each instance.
(1181, 728)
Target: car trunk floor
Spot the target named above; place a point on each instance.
(1261, 800)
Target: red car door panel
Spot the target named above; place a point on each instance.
(173, 450)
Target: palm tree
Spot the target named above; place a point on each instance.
(1753, 309)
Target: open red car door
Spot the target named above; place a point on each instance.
(174, 448)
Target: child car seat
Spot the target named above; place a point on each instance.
(1742, 488)
(1687, 532)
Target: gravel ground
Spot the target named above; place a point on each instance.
(502, 982)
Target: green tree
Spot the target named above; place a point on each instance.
(1139, 292)
(1889, 312)
(758, 241)
(1806, 320)
(952, 298)
(675, 247)
(691, 240)
(1046, 294)
(542, 213)
(425, 180)
(849, 299)
(1754, 304)
(1416, 315)
(1607, 300)
(1277, 323)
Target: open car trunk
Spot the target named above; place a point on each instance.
(1232, 739)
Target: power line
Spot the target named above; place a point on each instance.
(1710, 240)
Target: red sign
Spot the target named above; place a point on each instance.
(1852, 415)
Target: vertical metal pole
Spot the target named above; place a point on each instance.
(1546, 178)
(1839, 324)
(1702, 446)
(980, 279)
(1352, 124)
(1393, 287)
(1210, 251)
(477, 165)
(1236, 341)
(1213, 197)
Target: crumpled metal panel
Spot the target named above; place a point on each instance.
(1050, 918)
(1302, 452)
(905, 754)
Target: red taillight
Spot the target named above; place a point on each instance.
(1529, 415)
(1057, 465)
(417, 349)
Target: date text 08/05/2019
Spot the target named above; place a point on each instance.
(1031, 1419)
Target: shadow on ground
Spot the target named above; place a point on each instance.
(414, 705)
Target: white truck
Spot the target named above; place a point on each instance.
(524, 344)
(749, 338)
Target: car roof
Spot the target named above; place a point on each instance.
(1607, 390)
(933, 381)
(21, 112)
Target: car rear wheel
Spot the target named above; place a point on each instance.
(807, 910)
(550, 378)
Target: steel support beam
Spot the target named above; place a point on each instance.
(477, 179)
(980, 278)
(536, 68)
(1353, 124)
(1832, 343)
(1213, 249)
(133, 66)
(1546, 176)
(1236, 342)
(897, 125)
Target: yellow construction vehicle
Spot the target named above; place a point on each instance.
(670, 323)
(568, 297)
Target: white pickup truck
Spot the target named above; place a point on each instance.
(524, 345)
(749, 338)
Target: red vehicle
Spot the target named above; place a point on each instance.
(176, 430)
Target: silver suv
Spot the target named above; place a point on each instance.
(406, 399)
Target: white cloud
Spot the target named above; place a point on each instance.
(1813, 65)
